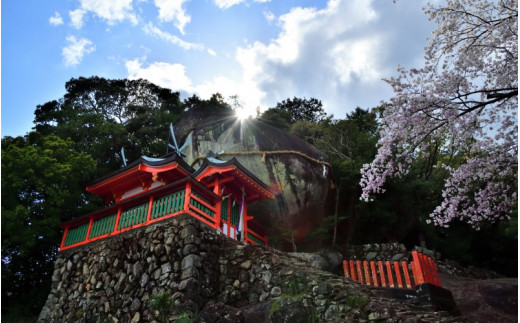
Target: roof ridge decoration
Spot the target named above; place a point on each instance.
(175, 147)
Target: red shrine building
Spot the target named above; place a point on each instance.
(150, 190)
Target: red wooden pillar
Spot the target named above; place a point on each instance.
(64, 237)
(374, 273)
(398, 275)
(352, 270)
(406, 275)
(360, 275)
(150, 207)
(389, 272)
(381, 273)
(187, 197)
(87, 237)
(217, 190)
(418, 274)
(118, 218)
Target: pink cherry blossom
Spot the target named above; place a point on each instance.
(467, 96)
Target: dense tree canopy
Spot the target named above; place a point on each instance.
(43, 184)
(44, 174)
(102, 116)
(303, 109)
(464, 101)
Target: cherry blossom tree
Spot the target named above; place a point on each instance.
(466, 95)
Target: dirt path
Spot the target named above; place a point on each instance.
(489, 300)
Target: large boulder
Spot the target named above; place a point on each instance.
(294, 170)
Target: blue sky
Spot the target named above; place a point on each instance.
(264, 51)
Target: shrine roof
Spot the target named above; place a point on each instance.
(148, 161)
(211, 166)
(141, 172)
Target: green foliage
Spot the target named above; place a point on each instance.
(101, 116)
(277, 118)
(303, 109)
(356, 301)
(43, 184)
(296, 285)
(162, 306)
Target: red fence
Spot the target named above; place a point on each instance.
(381, 274)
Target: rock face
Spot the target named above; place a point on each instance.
(209, 274)
(288, 165)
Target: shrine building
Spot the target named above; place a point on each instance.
(150, 190)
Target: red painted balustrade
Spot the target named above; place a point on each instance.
(393, 274)
(186, 196)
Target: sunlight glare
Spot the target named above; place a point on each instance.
(243, 113)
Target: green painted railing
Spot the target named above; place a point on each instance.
(224, 209)
(255, 239)
(167, 205)
(133, 216)
(76, 235)
(201, 207)
(103, 226)
(235, 214)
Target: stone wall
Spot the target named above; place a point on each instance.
(114, 280)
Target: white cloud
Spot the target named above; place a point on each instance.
(56, 20)
(172, 10)
(212, 52)
(76, 18)
(173, 76)
(269, 16)
(318, 53)
(152, 30)
(225, 4)
(76, 49)
(112, 11)
(167, 75)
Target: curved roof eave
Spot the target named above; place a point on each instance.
(232, 162)
(153, 162)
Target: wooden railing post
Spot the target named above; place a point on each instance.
(381, 273)
(389, 272)
(425, 265)
(345, 269)
(406, 274)
(374, 273)
(419, 273)
(367, 274)
(359, 274)
(436, 277)
(398, 275)
(352, 270)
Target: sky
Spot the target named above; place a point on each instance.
(264, 51)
